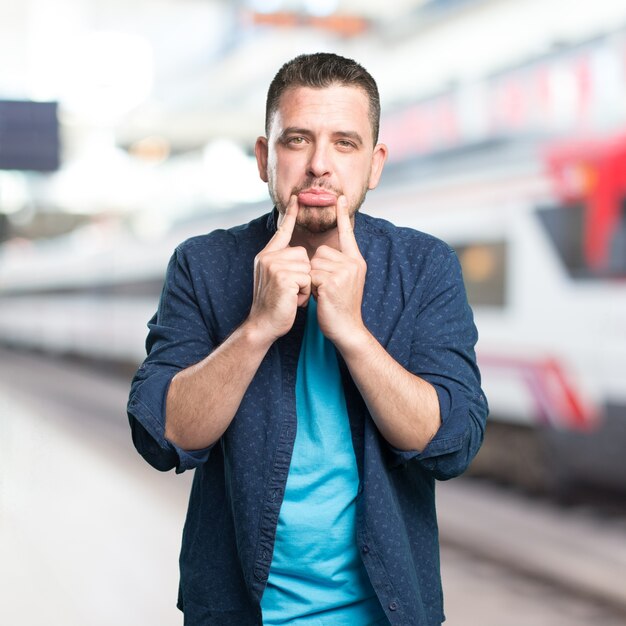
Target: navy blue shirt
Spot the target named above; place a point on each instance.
(414, 303)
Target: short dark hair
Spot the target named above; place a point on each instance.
(319, 70)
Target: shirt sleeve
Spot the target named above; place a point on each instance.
(442, 353)
(178, 337)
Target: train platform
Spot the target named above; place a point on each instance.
(90, 533)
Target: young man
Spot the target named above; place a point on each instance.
(316, 366)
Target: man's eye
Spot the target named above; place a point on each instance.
(344, 143)
(296, 140)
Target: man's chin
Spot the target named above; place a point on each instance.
(316, 228)
(317, 220)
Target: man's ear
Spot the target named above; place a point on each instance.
(379, 157)
(260, 150)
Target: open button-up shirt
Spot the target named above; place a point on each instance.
(414, 303)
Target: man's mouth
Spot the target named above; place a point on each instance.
(317, 197)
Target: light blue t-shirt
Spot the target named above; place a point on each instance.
(317, 577)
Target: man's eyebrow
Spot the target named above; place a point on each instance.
(294, 130)
(349, 134)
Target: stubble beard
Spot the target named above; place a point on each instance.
(315, 220)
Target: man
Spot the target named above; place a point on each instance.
(316, 366)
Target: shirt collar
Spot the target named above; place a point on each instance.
(272, 221)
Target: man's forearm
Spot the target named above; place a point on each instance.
(404, 406)
(203, 399)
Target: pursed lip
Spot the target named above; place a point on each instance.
(317, 196)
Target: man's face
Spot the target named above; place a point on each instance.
(320, 146)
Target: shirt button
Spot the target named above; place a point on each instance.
(360, 489)
(365, 549)
(393, 606)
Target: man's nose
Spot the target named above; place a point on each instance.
(319, 161)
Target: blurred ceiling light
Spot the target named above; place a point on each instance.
(106, 75)
(14, 192)
(101, 178)
(151, 149)
(265, 6)
(150, 225)
(232, 175)
(321, 8)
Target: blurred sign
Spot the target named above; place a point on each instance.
(344, 25)
(29, 135)
(575, 91)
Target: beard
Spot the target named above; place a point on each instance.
(314, 219)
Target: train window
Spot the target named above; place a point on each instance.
(484, 272)
(586, 254)
(564, 226)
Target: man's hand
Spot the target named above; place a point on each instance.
(404, 407)
(338, 278)
(282, 280)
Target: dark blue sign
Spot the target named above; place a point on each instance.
(29, 136)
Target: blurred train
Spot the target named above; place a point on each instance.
(541, 235)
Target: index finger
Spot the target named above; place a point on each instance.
(283, 233)
(347, 242)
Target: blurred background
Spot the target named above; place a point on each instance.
(127, 127)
